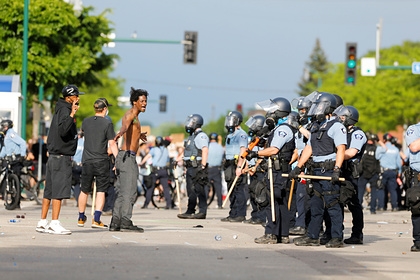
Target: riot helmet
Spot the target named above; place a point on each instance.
(372, 136)
(276, 109)
(302, 105)
(159, 141)
(338, 99)
(324, 104)
(193, 122)
(293, 119)
(387, 137)
(255, 124)
(348, 115)
(5, 125)
(232, 120)
(213, 136)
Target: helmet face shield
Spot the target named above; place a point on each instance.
(190, 122)
(268, 105)
(231, 121)
(319, 108)
(255, 123)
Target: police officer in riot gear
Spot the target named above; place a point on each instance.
(256, 171)
(412, 138)
(370, 169)
(236, 144)
(195, 157)
(280, 148)
(326, 145)
(301, 198)
(356, 142)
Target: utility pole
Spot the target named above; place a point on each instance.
(378, 41)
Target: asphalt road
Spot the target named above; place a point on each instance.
(171, 248)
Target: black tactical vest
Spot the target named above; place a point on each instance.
(322, 144)
(190, 148)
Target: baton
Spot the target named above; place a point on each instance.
(270, 175)
(232, 186)
(178, 195)
(291, 194)
(316, 177)
(93, 198)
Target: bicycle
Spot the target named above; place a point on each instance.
(158, 197)
(30, 183)
(9, 184)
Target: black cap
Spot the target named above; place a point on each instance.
(101, 103)
(71, 90)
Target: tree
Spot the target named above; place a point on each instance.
(389, 99)
(63, 48)
(314, 70)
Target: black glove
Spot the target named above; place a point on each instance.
(303, 120)
(262, 142)
(295, 173)
(251, 154)
(335, 176)
(202, 176)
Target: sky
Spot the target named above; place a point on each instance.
(248, 50)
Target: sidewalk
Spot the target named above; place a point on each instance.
(172, 248)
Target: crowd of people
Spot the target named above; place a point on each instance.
(298, 166)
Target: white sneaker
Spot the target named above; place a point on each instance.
(56, 228)
(42, 225)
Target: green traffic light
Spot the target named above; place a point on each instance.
(351, 63)
(350, 80)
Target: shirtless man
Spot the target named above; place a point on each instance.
(126, 167)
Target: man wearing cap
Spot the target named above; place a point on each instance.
(62, 144)
(99, 134)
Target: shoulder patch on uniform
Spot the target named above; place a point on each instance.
(282, 133)
(343, 130)
(203, 136)
(410, 131)
(12, 135)
(244, 136)
(358, 136)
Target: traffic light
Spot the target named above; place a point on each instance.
(351, 61)
(162, 103)
(190, 47)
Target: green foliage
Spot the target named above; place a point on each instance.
(63, 48)
(315, 68)
(389, 99)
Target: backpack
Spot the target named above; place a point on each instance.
(369, 165)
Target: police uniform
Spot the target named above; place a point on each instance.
(413, 192)
(324, 142)
(234, 142)
(195, 187)
(216, 154)
(13, 144)
(356, 139)
(281, 138)
(390, 162)
(160, 160)
(258, 212)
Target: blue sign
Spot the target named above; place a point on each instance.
(415, 68)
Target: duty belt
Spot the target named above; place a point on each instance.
(189, 163)
(326, 165)
(159, 167)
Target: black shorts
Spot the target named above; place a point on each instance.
(98, 169)
(58, 177)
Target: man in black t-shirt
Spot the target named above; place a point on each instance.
(99, 134)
